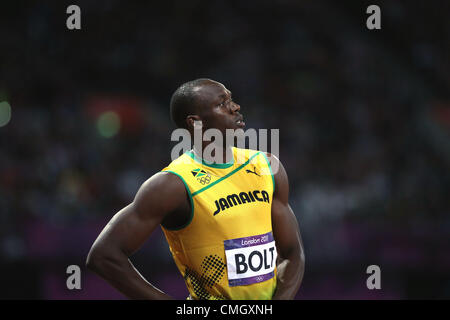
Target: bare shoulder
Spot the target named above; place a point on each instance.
(280, 177)
(163, 190)
(164, 182)
(276, 166)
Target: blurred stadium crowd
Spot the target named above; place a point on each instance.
(364, 132)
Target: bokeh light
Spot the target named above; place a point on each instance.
(108, 124)
(5, 113)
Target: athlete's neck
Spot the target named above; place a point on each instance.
(208, 154)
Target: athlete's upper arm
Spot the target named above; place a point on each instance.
(284, 223)
(130, 227)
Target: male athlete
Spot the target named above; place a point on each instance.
(228, 223)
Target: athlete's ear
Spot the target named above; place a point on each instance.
(190, 119)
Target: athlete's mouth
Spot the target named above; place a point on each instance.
(240, 122)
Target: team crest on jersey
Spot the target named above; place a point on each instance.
(202, 176)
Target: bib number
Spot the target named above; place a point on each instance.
(250, 259)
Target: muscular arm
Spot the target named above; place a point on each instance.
(157, 199)
(291, 264)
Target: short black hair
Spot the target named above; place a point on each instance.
(184, 101)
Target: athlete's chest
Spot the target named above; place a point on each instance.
(233, 193)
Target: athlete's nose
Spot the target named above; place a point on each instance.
(235, 107)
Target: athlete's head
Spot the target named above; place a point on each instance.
(208, 101)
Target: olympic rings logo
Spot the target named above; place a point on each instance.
(205, 179)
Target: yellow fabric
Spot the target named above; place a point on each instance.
(198, 248)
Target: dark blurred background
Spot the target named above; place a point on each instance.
(364, 120)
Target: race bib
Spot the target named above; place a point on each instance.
(250, 259)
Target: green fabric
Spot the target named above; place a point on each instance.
(209, 164)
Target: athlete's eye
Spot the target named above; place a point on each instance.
(225, 102)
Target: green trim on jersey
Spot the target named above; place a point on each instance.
(227, 175)
(210, 164)
(270, 168)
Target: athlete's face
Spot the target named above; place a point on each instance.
(218, 110)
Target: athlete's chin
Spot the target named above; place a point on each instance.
(235, 126)
(239, 125)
